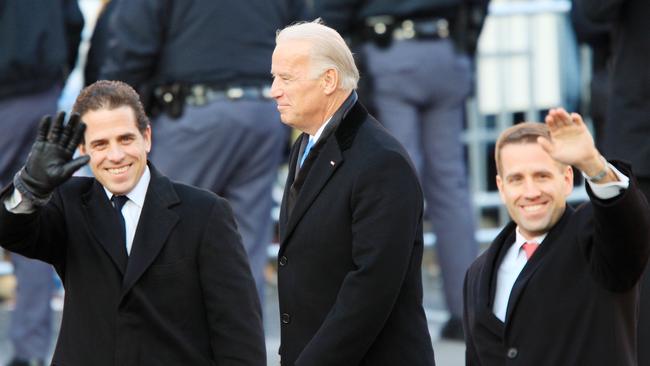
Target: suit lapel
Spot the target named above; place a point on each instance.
(287, 200)
(487, 280)
(103, 223)
(303, 186)
(312, 177)
(155, 224)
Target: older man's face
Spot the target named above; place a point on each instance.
(301, 99)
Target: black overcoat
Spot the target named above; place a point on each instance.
(184, 295)
(576, 300)
(349, 278)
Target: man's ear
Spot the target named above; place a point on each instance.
(82, 149)
(330, 81)
(147, 138)
(568, 180)
(500, 186)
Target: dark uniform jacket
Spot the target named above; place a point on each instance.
(350, 17)
(38, 44)
(627, 129)
(220, 43)
(349, 279)
(184, 296)
(576, 300)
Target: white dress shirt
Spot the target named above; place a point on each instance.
(515, 259)
(320, 131)
(133, 207)
(513, 262)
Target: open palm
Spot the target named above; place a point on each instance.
(571, 143)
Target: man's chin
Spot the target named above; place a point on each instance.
(117, 188)
(286, 121)
(535, 229)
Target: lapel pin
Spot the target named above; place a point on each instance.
(332, 163)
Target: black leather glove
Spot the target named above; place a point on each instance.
(50, 162)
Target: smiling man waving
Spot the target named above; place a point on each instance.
(558, 286)
(154, 271)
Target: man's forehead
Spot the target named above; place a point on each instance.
(109, 118)
(524, 152)
(540, 162)
(122, 110)
(294, 67)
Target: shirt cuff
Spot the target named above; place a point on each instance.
(609, 190)
(17, 205)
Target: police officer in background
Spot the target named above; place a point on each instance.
(203, 69)
(627, 123)
(417, 56)
(598, 36)
(39, 40)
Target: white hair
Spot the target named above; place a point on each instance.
(328, 50)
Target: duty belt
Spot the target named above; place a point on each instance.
(171, 99)
(384, 29)
(199, 94)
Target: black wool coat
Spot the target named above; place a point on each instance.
(576, 300)
(184, 296)
(349, 279)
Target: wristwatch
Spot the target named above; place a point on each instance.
(601, 174)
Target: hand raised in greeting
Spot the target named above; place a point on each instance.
(50, 162)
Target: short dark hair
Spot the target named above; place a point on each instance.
(110, 94)
(522, 133)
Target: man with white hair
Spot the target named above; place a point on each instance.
(349, 280)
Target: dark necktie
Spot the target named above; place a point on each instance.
(118, 203)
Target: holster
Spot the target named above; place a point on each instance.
(169, 99)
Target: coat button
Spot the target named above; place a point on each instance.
(512, 353)
(286, 318)
(283, 261)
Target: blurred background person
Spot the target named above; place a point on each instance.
(38, 42)
(627, 126)
(417, 56)
(98, 46)
(202, 68)
(598, 37)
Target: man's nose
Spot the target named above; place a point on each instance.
(115, 153)
(276, 92)
(531, 190)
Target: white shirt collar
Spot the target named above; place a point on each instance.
(349, 101)
(320, 131)
(138, 192)
(520, 240)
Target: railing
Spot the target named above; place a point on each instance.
(527, 62)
